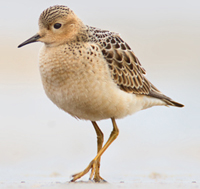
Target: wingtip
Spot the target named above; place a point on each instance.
(174, 103)
(177, 104)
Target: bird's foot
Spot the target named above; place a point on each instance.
(94, 166)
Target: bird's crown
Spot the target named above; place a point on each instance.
(52, 13)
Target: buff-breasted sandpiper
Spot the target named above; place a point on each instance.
(92, 74)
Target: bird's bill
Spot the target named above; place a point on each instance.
(30, 40)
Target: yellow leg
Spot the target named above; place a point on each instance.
(99, 136)
(94, 163)
(97, 177)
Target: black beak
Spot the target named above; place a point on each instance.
(31, 40)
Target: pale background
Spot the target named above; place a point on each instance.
(40, 144)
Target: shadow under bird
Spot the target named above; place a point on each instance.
(92, 74)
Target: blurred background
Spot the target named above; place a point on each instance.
(39, 142)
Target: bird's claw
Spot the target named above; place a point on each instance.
(94, 176)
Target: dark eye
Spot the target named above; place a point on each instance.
(57, 25)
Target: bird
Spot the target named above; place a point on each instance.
(92, 74)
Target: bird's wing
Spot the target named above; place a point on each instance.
(125, 68)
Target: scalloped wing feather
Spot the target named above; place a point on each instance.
(125, 68)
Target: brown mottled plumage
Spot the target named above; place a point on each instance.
(91, 74)
(126, 70)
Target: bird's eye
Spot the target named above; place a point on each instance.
(57, 25)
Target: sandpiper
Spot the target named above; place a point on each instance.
(92, 74)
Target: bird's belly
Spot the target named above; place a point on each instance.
(85, 89)
(93, 100)
(82, 88)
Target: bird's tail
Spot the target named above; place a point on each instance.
(173, 103)
(157, 94)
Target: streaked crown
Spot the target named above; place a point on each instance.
(52, 13)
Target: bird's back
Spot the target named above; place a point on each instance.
(125, 68)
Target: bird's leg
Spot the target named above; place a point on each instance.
(94, 163)
(97, 177)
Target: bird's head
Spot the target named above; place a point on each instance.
(57, 25)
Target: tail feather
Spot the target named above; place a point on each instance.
(166, 99)
(173, 103)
